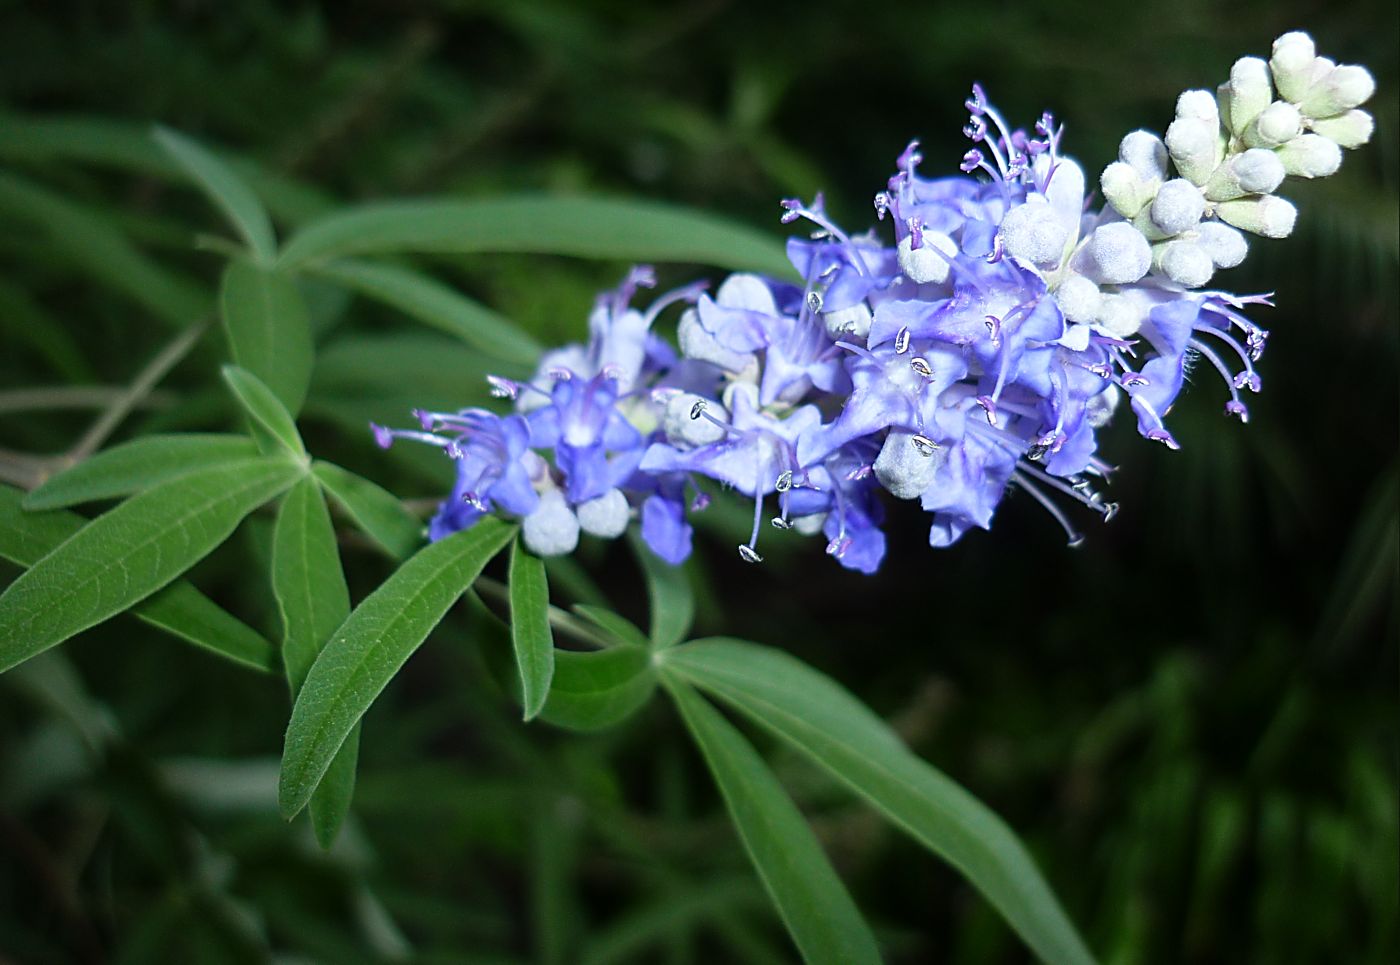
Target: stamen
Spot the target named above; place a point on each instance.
(923, 444)
(1075, 537)
(901, 341)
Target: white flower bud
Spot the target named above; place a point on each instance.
(1250, 92)
(697, 343)
(903, 468)
(1255, 171)
(1310, 156)
(1119, 253)
(1349, 130)
(1125, 188)
(1291, 64)
(809, 525)
(742, 290)
(606, 516)
(1276, 124)
(1198, 104)
(1032, 232)
(1184, 262)
(552, 529)
(1342, 89)
(1098, 410)
(1192, 144)
(734, 390)
(682, 430)
(1065, 192)
(847, 322)
(1269, 216)
(1145, 153)
(1226, 246)
(1177, 207)
(1119, 316)
(1078, 298)
(924, 264)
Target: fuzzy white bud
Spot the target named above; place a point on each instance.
(1342, 89)
(903, 467)
(1255, 171)
(552, 529)
(1033, 233)
(809, 525)
(1310, 156)
(606, 516)
(1078, 298)
(685, 426)
(1099, 409)
(1119, 253)
(1177, 207)
(1184, 262)
(697, 343)
(1119, 316)
(1192, 145)
(1250, 92)
(1276, 124)
(924, 265)
(1198, 104)
(1125, 189)
(1225, 246)
(1291, 64)
(1269, 216)
(1349, 130)
(1145, 153)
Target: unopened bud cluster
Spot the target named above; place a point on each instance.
(982, 351)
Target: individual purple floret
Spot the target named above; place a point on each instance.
(980, 348)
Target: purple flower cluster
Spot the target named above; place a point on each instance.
(982, 350)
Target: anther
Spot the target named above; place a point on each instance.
(698, 409)
(780, 523)
(814, 301)
(748, 554)
(784, 481)
(1110, 510)
(901, 341)
(923, 444)
(502, 388)
(920, 365)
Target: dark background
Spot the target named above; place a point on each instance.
(1191, 718)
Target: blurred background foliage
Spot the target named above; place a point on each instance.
(1192, 718)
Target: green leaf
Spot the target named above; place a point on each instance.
(309, 584)
(817, 717)
(377, 512)
(432, 302)
(226, 189)
(91, 242)
(370, 647)
(672, 600)
(586, 227)
(529, 628)
(127, 554)
(595, 690)
(136, 465)
(179, 609)
(617, 627)
(818, 911)
(264, 408)
(268, 330)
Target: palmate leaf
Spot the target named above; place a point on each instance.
(815, 906)
(264, 408)
(127, 554)
(313, 599)
(226, 189)
(179, 609)
(268, 330)
(530, 635)
(585, 227)
(435, 304)
(368, 649)
(136, 465)
(377, 512)
(820, 719)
